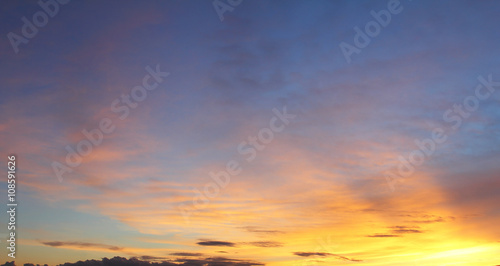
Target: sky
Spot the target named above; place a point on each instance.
(239, 132)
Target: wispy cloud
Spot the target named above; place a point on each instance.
(324, 254)
(383, 235)
(266, 244)
(80, 245)
(216, 243)
(187, 254)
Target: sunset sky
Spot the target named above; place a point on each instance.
(261, 140)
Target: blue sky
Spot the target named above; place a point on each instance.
(322, 175)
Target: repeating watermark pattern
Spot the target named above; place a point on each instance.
(249, 150)
(372, 29)
(324, 246)
(454, 118)
(222, 7)
(120, 106)
(40, 19)
(11, 206)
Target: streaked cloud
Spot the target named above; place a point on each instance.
(322, 254)
(216, 243)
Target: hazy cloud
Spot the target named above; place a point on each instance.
(324, 254)
(266, 244)
(308, 254)
(256, 229)
(80, 244)
(186, 254)
(383, 235)
(217, 261)
(216, 243)
(405, 229)
(151, 258)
